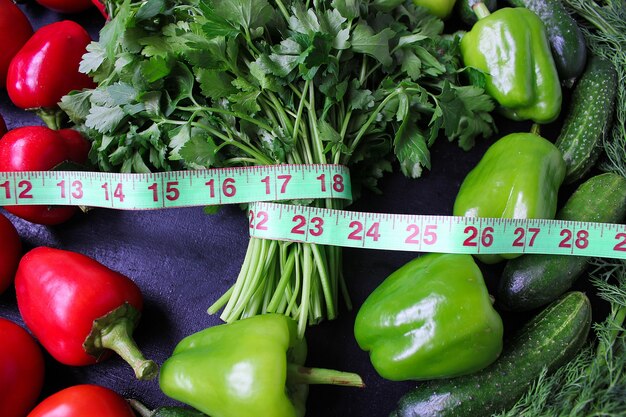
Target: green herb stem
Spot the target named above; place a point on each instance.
(307, 272)
(301, 105)
(363, 130)
(313, 125)
(238, 115)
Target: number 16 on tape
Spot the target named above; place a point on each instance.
(429, 233)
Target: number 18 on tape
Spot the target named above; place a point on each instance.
(442, 234)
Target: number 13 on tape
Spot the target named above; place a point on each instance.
(429, 233)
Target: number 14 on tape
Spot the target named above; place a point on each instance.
(442, 234)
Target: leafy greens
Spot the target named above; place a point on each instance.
(193, 84)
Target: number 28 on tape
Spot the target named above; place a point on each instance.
(443, 234)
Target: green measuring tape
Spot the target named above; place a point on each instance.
(176, 188)
(261, 185)
(429, 233)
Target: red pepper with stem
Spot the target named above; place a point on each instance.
(83, 401)
(46, 68)
(38, 148)
(79, 309)
(21, 370)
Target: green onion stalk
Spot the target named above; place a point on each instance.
(301, 280)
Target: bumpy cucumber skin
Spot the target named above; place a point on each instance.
(466, 13)
(589, 118)
(532, 281)
(550, 339)
(567, 42)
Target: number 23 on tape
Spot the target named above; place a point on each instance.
(443, 234)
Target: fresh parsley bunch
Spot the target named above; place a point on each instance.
(192, 84)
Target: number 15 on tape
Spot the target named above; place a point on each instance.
(429, 233)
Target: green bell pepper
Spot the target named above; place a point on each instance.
(518, 177)
(432, 318)
(511, 48)
(439, 8)
(249, 368)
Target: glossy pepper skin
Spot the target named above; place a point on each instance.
(15, 30)
(66, 6)
(82, 401)
(46, 67)
(79, 309)
(518, 177)
(247, 368)
(439, 8)
(22, 370)
(511, 48)
(432, 318)
(39, 148)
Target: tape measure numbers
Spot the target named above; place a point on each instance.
(442, 234)
(176, 188)
(258, 185)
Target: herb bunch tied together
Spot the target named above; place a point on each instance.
(195, 84)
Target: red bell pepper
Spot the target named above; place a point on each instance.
(15, 30)
(66, 6)
(79, 309)
(21, 370)
(46, 68)
(10, 253)
(38, 148)
(77, 146)
(83, 401)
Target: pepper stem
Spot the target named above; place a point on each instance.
(53, 118)
(297, 374)
(140, 409)
(114, 331)
(480, 10)
(535, 129)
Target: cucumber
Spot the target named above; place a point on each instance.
(567, 42)
(532, 281)
(589, 118)
(466, 13)
(550, 339)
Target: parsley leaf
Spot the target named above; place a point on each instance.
(376, 45)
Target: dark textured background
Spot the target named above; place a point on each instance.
(183, 260)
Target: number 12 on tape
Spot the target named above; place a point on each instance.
(429, 233)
